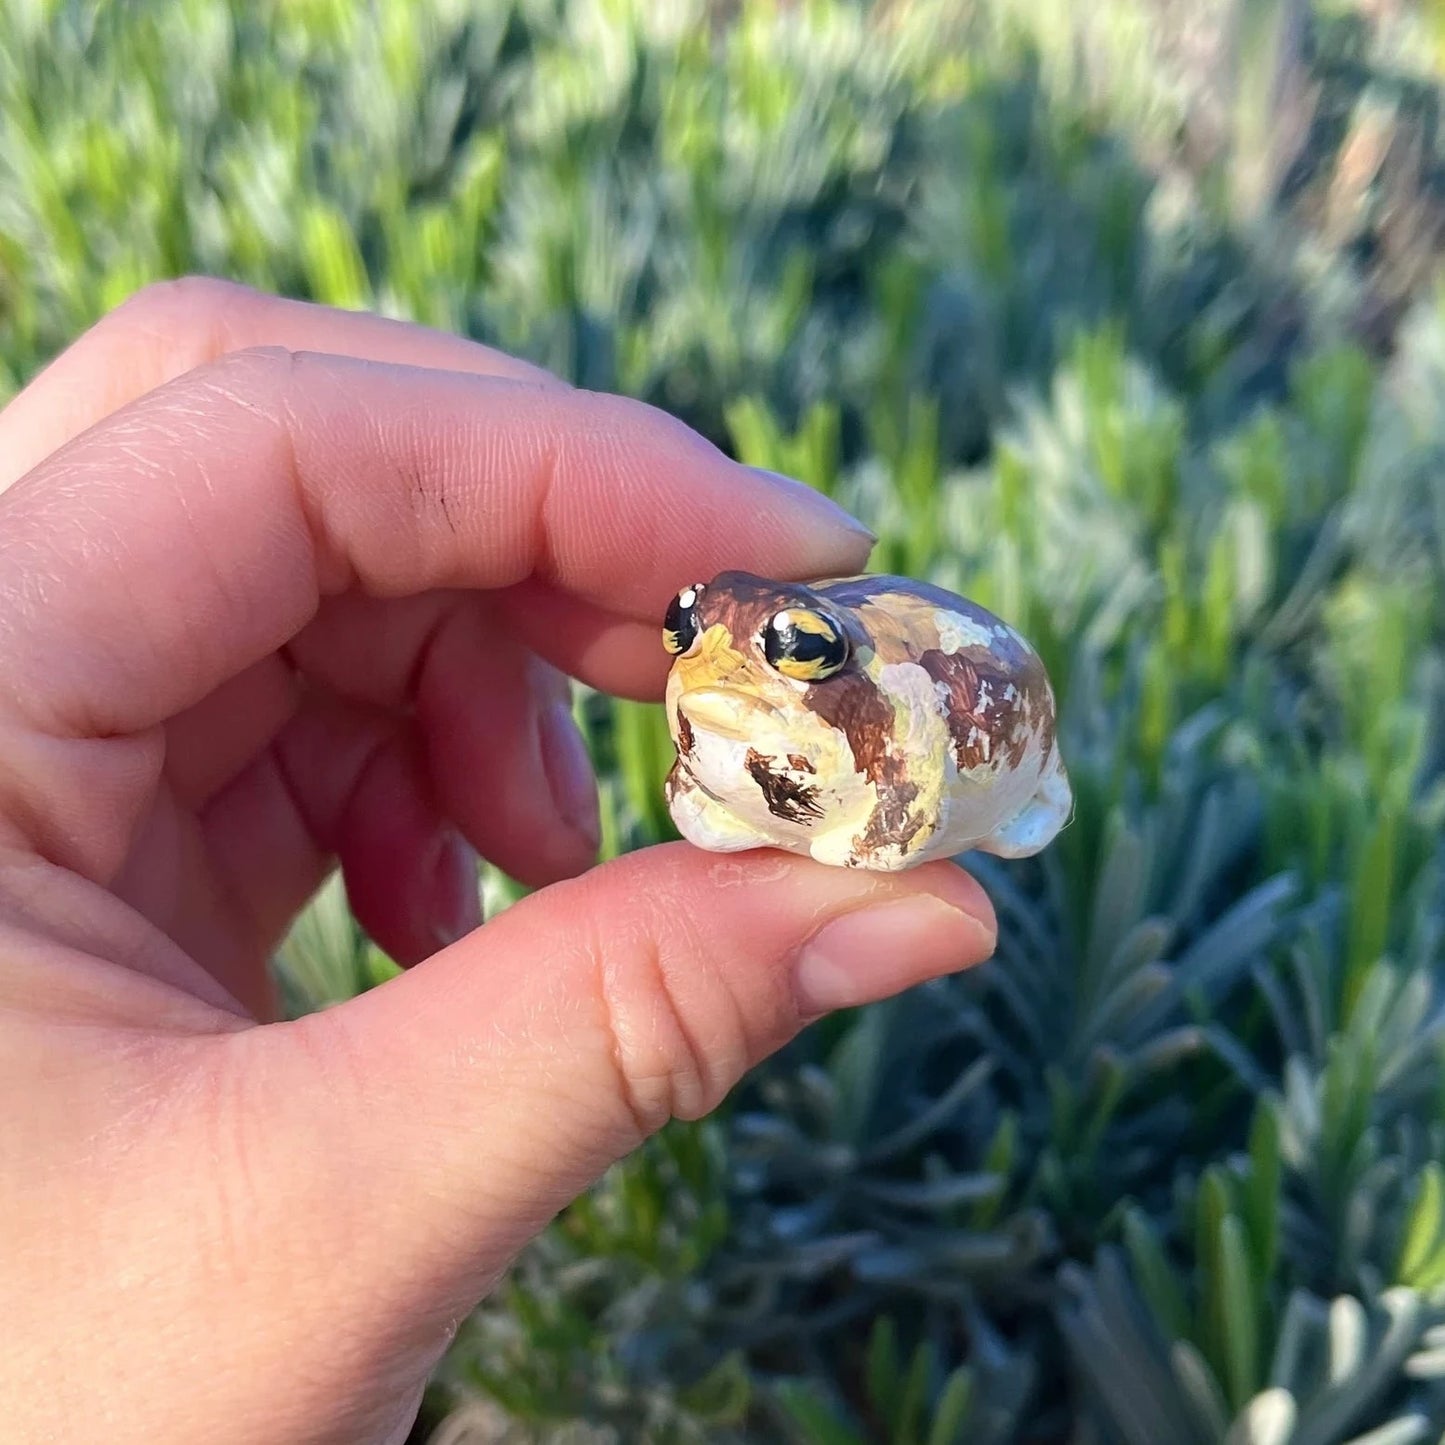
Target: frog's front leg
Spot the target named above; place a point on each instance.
(705, 822)
(1038, 822)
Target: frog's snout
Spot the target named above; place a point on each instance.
(724, 712)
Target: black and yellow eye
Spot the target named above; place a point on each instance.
(680, 626)
(805, 645)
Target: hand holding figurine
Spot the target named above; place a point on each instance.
(284, 589)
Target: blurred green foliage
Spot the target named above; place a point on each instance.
(1123, 320)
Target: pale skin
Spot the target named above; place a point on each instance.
(282, 590)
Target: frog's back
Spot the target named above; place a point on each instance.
(991, 684)
(904, 621)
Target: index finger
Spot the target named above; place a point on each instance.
(195, 531)
(171, 327)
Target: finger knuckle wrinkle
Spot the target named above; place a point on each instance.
(196, 307)
(662, 1071)
(185, 295)
(256, 379)
(212, 1103)
(664, 432)
(280, 361)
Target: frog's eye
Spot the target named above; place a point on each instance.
(805, 645)
(680, 627)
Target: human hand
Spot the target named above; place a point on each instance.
(264, 611)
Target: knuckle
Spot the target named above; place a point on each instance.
(192, 299)
(276, 358)
(187, 1097)
(189, 327)
(663, 1070)
(663, 431)
(259, 372)
(223, 1106)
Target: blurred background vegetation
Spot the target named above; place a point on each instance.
(1124, 319)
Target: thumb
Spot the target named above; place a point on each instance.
(462, 1104)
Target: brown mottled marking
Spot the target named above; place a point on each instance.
(898, 613)
(898, 626)
(788, 799)
(1002, 729)
(686, 738)
(673, 784)
(852, 703)
(854, 591)
(891, 821)
(1041, 711)
(800, 764)
(743, 603)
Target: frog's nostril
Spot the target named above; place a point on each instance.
(722, 656)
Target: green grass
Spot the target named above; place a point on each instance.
(1130, 332)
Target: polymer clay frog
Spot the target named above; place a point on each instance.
(870, 722)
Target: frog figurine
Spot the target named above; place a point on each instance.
(870, 722)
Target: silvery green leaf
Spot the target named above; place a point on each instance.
(954, 1407)
(1363, 1362)
(1426, 1365)
(1282, 1010)
(1030, 1014)
(1157, 1281)
(323, 959)
(1407, 1430)
(931, 1116)
(767, 1128)
(1310, 984)
(1123, 1002)
(1268, 1419)
(1120, 895)
(1349, 1339)
(1239, 1318)
(934, 1194)
(1225, 1047)
(1027, 925)
(1201, 1387)
(1122, 1362)
(804, 1220)
(876, 1265)
(1229, 945)
(1144, 943)
(1165, 1050)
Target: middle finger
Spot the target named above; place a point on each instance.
(505, 759)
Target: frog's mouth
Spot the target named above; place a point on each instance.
(726, 712)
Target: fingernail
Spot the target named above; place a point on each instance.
(568, 766)
(874, 952)
(827, 509)
(456, 891)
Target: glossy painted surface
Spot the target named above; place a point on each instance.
(870, 722)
